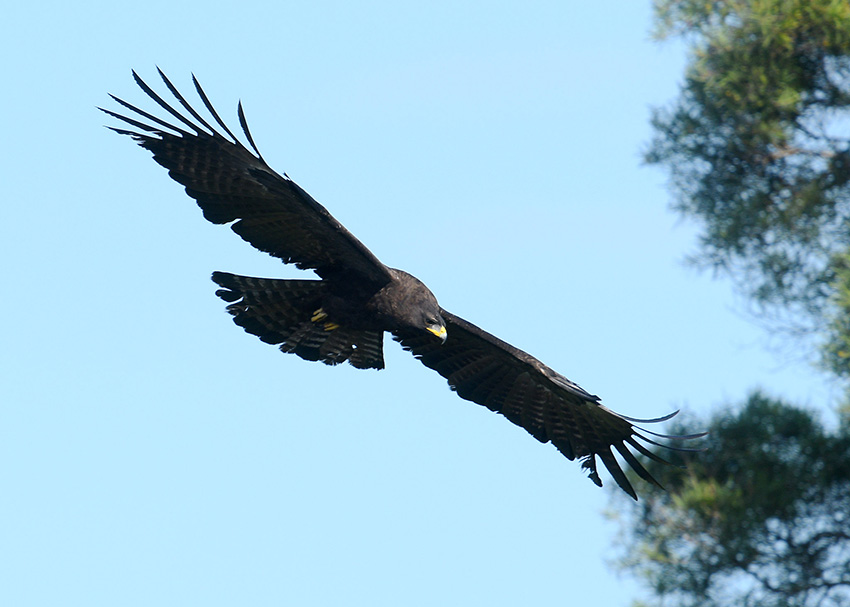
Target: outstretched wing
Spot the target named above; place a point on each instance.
(233, 184)
(484, 369)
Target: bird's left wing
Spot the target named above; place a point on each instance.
(233, 184)
(486, 370)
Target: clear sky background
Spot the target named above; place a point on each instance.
(151, 453)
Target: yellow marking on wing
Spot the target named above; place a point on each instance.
(318, 315)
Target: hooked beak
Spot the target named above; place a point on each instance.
(439, 331)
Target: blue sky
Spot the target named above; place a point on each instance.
(153, 453)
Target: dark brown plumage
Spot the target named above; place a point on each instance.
(344, 315)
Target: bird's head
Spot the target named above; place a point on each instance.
(427, 312)
(435, 324)
(414, 306)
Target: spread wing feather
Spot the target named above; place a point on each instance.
(486, 370)
(233, 184)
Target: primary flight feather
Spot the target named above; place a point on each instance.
(343, 316)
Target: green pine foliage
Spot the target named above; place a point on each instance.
(762, 517)
(836, 351)
(758, 147)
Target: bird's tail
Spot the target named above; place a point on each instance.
(289, 313)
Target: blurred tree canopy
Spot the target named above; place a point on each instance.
(758, 146)
(760, 518)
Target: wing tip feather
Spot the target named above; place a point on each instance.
(622, 447)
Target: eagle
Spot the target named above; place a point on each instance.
(343, 315)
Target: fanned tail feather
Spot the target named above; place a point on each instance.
(282, 312)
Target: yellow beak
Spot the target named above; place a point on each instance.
(439, 332)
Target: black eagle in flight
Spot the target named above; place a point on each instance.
(343, 316)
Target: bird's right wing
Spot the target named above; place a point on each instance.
(486, 370)
(233, 184)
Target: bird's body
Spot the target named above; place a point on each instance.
(331, 320)
(343, 315)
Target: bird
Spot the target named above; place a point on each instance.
(342, 314)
